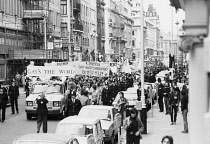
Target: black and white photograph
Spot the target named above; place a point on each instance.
(104, 72)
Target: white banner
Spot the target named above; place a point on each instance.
(93, 69)
(51, 71)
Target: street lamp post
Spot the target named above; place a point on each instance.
(177, 23)
(144, 111)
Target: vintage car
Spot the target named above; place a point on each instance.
(54, 93)
(131, 95)
(46, 138)
(107, 116)
(83, 128)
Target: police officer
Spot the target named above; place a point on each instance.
(74, 105)
(134, 127)
(14, 94)
(3, 101)
(42, 113)
(105, 95)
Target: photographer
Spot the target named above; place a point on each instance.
(42, 112)
(134, 127)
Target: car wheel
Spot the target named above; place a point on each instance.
(62, 115)
(112, 141)
(28, 116)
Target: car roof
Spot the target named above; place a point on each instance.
(50, 137)
(98, 107)
(79, 120)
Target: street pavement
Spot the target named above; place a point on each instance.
(17, 125)
(158, 126)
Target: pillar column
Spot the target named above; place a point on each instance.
(197, 94)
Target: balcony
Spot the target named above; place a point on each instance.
(77, 5)
(78, 27)
(35, 14)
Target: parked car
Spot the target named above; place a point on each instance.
(107, 116)
(131, 95)
(54, 92)
(46, 138)
(83, 128)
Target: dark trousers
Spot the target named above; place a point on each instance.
(166, 102)
(132, 139)
(2, 112)
(42, 118)
(27, 93)
(14, 104)
(160, 102)
(173, 113)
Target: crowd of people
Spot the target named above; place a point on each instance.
(87, 90)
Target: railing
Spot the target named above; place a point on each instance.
(77, 5)
(78, 26)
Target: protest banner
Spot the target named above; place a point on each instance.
(51, 71)
(93, 69)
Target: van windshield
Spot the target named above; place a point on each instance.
(47, 88)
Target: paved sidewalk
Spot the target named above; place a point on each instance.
(159, 126)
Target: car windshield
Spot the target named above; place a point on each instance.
(74, 129)
(46, 88)
(99, 113)
(36, 142)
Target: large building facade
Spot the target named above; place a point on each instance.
(24, 26)
(118, 30)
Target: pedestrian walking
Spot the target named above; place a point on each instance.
(173, 103)
(42, 112)
(160, 95)
(134, 127)
(27, 87)
(184, 109)
(3, 102)
(13, 93)
(167, 140)
(74, 105)
(166, 91)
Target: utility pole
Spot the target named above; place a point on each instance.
(45, 31)
(144, 111)
(172, 48)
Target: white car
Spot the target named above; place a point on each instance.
(46, 138)
(83, 128)
(107, 116)
(54, 93)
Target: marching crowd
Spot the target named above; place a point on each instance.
(86, 90)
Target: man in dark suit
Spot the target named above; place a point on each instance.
(74, 105)
(42, 113)
(14, 94)
(3, 101)
(105, 95)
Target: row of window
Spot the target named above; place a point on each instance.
(11, 41)
(12, 7)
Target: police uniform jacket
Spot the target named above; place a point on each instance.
(42, 106)
(3, 97)
(74, 107)
(105, 95)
